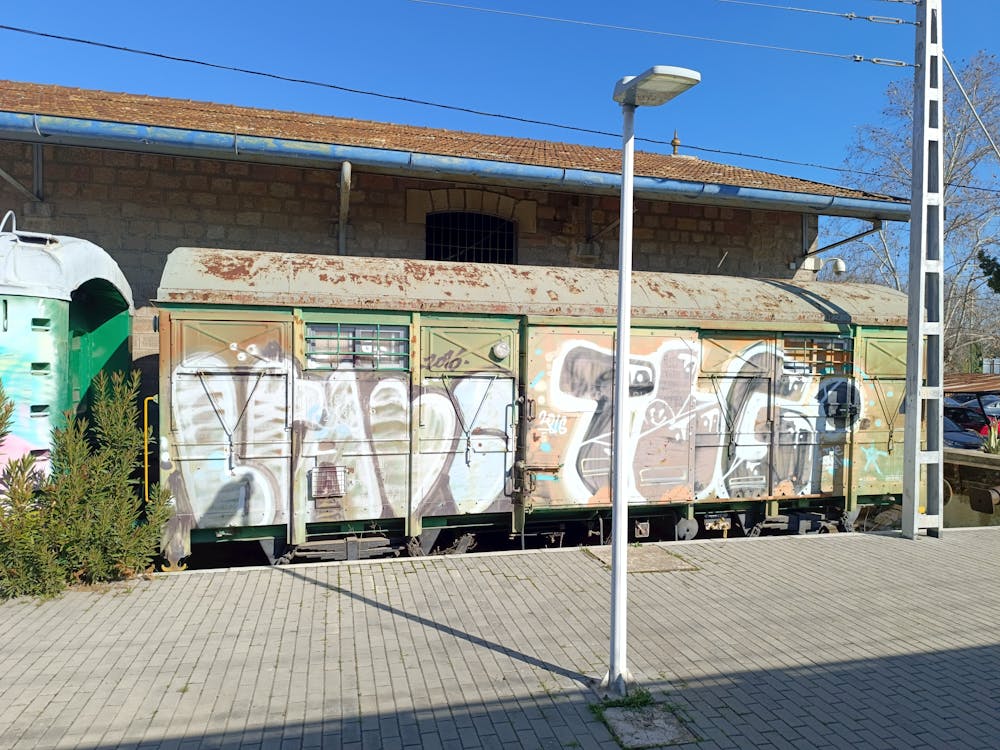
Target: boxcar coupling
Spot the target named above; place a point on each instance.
(65, 315)
(349, 405)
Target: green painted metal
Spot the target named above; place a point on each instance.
(237, 534)
(103, 348)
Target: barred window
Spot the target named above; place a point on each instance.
(470, 237)
(822, 355)
(347, 346)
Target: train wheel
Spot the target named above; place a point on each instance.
(686, 528)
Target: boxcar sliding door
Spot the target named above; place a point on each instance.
(467, 410)
(733, 436)
(878, 447)
(229, 421)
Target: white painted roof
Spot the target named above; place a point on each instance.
(51, 266)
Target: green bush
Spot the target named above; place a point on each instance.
(87, 521)
(28, 564)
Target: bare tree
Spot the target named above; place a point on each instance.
(972, 198)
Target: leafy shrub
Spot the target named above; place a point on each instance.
(28, 565)
(87, 521)
(991, 443)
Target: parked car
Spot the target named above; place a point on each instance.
(957, 437)
(967, 418)
(988, 402)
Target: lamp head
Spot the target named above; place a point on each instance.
(656, 86)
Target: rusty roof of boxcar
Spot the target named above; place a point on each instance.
(249, 278)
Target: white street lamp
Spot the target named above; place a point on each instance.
(656, 86)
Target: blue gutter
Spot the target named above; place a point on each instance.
(177, 141)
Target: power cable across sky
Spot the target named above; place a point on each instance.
(189, 60)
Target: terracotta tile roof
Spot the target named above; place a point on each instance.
(30, 98)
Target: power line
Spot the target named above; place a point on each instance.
(304, 81)
(848, 16)
(972, 107)
(455, 108)
(594, 24)
(813, 165)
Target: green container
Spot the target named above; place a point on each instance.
(65, 315)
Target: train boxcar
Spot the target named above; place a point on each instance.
(347, 404)
(65, 315)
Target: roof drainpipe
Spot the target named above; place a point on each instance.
(345, 202)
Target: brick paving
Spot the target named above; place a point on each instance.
(796, 642)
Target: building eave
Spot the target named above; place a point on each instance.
(91, 133)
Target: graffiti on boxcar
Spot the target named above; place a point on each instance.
(356, 427)
(356, 442)
(747, 429)
(233, 461)
(465, 444)
(227, 437)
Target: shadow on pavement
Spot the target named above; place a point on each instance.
(932, 700)
(446, 629)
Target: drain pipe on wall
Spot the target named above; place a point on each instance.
(345, 202)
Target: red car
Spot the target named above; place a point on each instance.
(967, 417)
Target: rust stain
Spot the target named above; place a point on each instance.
(680, 494)
(569, 282)
(785, 488)
(228, 267)
(249, 278)
(601, 497)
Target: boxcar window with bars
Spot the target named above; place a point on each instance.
(822, 355)
(470, 237)
(347, 346)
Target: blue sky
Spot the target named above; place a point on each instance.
(796, 106)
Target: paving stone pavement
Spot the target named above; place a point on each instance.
(796, 642)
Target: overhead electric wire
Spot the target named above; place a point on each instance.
(848, 16)
(675, 35)
(291, 79)
(454, 108)
(813, 165)
(972, 107)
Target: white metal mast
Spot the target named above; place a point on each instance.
(924, 350)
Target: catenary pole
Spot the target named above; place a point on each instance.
(924, 348)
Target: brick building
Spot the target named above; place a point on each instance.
(140, 176)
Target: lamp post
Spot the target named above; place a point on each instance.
(656, 86)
